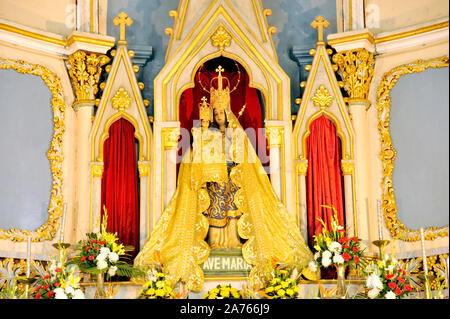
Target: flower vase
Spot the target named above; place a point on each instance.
(341, 285)
(100, 291)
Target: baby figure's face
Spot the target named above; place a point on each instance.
(205, 123)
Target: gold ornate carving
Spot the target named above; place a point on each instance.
(122, 20)
(388, 153)
(55, 154)
(356, 69)
(85, 70)
(221, 39)
(322, 98)
(144, 169)
(302, 167)
(97, 170)
(121, 100)
(347, 167)
(274, 136)
(171, 136)
(320, 23)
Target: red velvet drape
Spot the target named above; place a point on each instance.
(324, 183)
(120, 184)
(252, 117)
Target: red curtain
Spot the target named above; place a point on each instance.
(324, 183)
(252, 117)
(120, 184)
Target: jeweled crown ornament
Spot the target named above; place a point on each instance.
(220, 97)
(205, 110)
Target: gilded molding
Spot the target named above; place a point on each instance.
(356, 69)
(85, 70)
(322, 98)
(97, 170)
(55, 154)
(144, 169)
(274, 136)
(171, 136)
(388, 152)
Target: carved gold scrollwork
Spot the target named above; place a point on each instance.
(85, 70)
(388, 153)
(347, 167)
(322, 98)
(302, 167)
(144, 169)
(55, 155)
(121, 100)
(356, 70)
(97, 170)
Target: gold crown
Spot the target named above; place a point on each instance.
(205, 110)
(220, 97)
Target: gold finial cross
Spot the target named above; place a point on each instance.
(319, 24)
(220, 70)
(123, 20)
(204, 99)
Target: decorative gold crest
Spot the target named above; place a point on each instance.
(322, 98)
(121, 100)
(221, 39)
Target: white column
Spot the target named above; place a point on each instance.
(84, 112)
(353, 15)
(274, 139)
(144, 209)
(358, 111)
(302, 169)
(348, 171)
(96, 195)
(87, 16)
(171, 135)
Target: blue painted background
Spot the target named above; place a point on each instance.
(420, 134)
(292, 18)
(26, 130)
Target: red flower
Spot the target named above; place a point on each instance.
(58, 270)
(93, 241)
(401, 279)
(83, 259)
(356, 258)
(46, 286)
(98, 248)
(87, 248)
(38, 296)
(91, 257)
(392, 285)
(38, 287)
(346, 256)
(345, 246)
(355, 249)
(343, 240)
(398, 291)
(389, 277)
(46, 277)
(57, 284)
(102, 242)
(408, 288)
(354, 239)
(50, 293)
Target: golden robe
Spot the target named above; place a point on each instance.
(266, 225)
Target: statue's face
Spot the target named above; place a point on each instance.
(205, 123)
(219, 116)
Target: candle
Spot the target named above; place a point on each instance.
(424, 256)
(61, 234)
(380, 221)
(28, 256)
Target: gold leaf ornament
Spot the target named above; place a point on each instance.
(221, 39)
(121, 100)
(322, 98)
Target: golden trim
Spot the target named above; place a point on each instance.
(347, 167)
(388, 152)
(97, 170)
(350, 17)
(55, 154)
(259, 21)
(351, 38)
(83, 39)
(181, 21)
(302, 167)
(32, 34)
(91, 16)
(144, 169)
(121, 101)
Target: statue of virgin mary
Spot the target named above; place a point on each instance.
(224, 198)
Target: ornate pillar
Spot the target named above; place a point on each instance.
(85, 70)
(171, 136)
(302, 219)
(144, 168)
(356, 69)
(275, 136)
